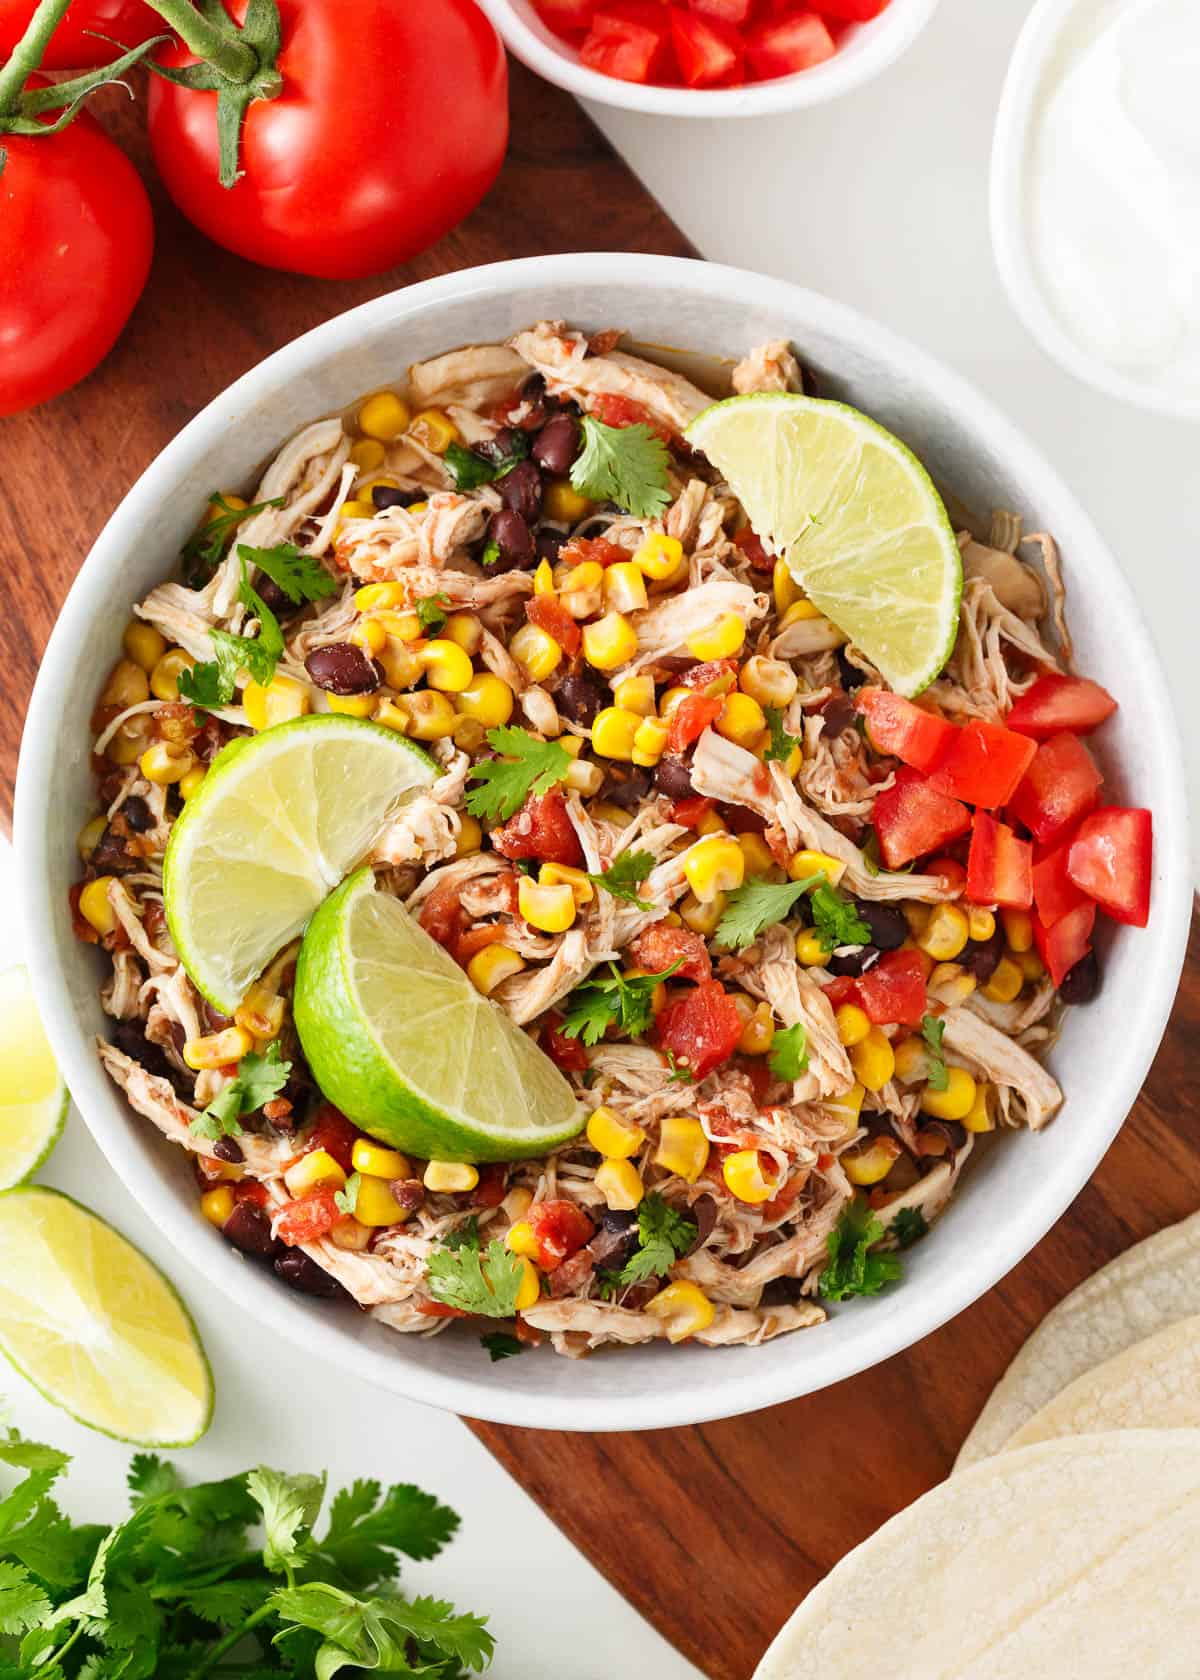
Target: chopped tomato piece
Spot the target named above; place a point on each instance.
(911, 818)
(540, 829)
(841, 989)
(999, 865)
(333, 1133)
(307, 1218)
(442, 917)
(700, 1029)
(657, 947)
(1110, 861)
(437, 1309)
(1060, 785)
(630, 50)
(750, 544)
(492, 1186)
(561, 1229)
(951, 871)
(725, 11)
(552, 617)
(567, 15)
(1069, 940)
(983, 764)
(851, 11)
(1055, 703)
(905, 731)
(465, 945)
(713, 676)
(707, 51)
(250, 1190)
(893, 989)
(691, 718)
(566, 1053)
(782, 45)
(1054, 892)
(615, 410)
(599, 549)
(690, 813)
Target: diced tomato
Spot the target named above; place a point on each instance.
(905, 731)
(782, 45)
(250, 1190)
(1063, 945)
(745, 539)
(739, 820)
(787, 1193)
(712, 676)
(758, 1076)
(1056, 703)
(911, 819)
(540, 829)
(551, 616)
(951, 871)
(441, 916)
(725, 11)
(709, 53)
(566, 1053)
(437, 1309)
(999, 865)
(492, 1186)
(466, 944)
(599, 549)
(307, 1218)
(690, 813)
(657, 947)
(561, 1229)
(1060, 785)
(1110, 861)
(701, 1028)
(623, 46)
(567, 15)
(691, 718)
(1054, 892)
(983, 764)
(841, 989)
(893, 989)
(851, 11)
(615, 410)
(333, 1133)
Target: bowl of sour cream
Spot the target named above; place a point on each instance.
(1095, 194)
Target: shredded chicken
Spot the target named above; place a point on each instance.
(562, 358)
(770, 367)
(1005, 1063)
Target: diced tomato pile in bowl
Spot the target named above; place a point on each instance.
(704, 43)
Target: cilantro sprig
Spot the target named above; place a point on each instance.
(932, 1031)
(214, 682)
(853, 1269)
(204, 551)
(789, 1052)
(909, 1226)
(628, 465)
(498, 1344)
(781, 745)
(625, 875)
(260, 1076)
(613, 999)
(484, 1281)
(432, 611)
(526, 766)
(664, 1235)
(469, 469)
(301, 576)
(835, 920)
(758, 904)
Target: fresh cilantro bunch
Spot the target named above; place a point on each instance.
(628, 465)
(260, 1076)
(228, 1578)
(615, 999)
(852, 1268)
(526, 766)
(664, 1235)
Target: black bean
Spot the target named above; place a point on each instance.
(704, 1212)
(501, 447)
(271, 594)
(228, 1149)
(888, 927)
(549, 544)
(110, 856)
(625, 788)
(614, 1242)
(512, 537)
(521, 490)
(1081, 983)
(557, 444)
(839, 714)
(138, 814)
(249, 1229)
(387, 496)
(131, 1041)
(852, 677)
(299, 1272)
(981, 956)
(851, 963)
(343, 668)
(579, 697)
(673, 779)
(782, 1292)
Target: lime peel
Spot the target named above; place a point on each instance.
(33, 1097)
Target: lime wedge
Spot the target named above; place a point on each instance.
(95, 1326)
(857, 518)
(399, 1039)
(278, 821)
(33, 1098)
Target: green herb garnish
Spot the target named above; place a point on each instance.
(616, 999)
(469, 470)
(782, 744)
(500, 1345)
(757, 905)
(628, 465)
(301, 576)
(664, 1234)
(678, 1075)
(484, 1281)
(909, 1226)
(214, 683)
(204, 551)
(527, 766)
(260, 1076)
(346, 1199)
(431, 611)
(932, 1031)
(789, 1052)
(836, 921)
(628, 870)
(490, 554)
(852, 1268)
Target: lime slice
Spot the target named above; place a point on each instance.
(33, 1098)
(95, 1326)
(856, 516)
(278, 821)
(399, 1039)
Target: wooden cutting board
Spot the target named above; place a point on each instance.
(715, 1532)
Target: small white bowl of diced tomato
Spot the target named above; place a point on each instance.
(709, 58)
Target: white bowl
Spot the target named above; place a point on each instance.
(1024, 1183)
(866, 49)
(1032, 60)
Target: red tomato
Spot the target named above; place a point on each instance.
(1110, 861)
(701, 1028)
(782, 45)
(567, 1054)
(713, 676)
(893, 989)
(841, 989)
(75, 243)
(492, 1186)
(1056, 703)
(657, 947)
(250, 1190)
(688, 813)
(466, 943)
(983, 764)
(333, 1133)
(629, 49)
(437, 1309)
(911, 819)
(851, 11)
(615, 410)
(307, 1218)
(691, 718)
(751, 546)
(599, 549)
(1069, 940)
(540, 829)
(709, 53)
(1061, 784)
(724, 11)
(74, 46)
(568, 15)
(999, 866)
(391, 126)
(905, 731)
(561, 1229)
(552, 617)
(1054, 892)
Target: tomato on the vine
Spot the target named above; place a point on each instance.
(76, 43)
(391, 125)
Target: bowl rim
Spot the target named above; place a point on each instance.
(892, 33)
(201, 1249)
(1011, 134)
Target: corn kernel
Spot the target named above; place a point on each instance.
(758, 855)
(520, 1239)
(430, 715)
(403, 626)
(872, 1162)
(650, 742)
(550, 908)
(383, 417)
(260, 1012)
(625, 587)
(620, 1183)
(848, 1103)
(517, 1204)
(659, 555)
(163, 766)
(758, 1029)
(683, 1148)
(672, 699)
(494, 964)
(94, 905)
(144, 644)
(469, 734)
(487, 698)
(635, 694)
(587, 778)
(530, 1287)
(315, 1171)
(714, 865)
(741, 720)
(722, 639)
(710, 823)
(1005, 983)
(164, 679)
(803, 864)
(685, 1308)
(351, 705)
(614, 732)
(350, 1234)
(217, 1049)
(1018, 930)
(605, 811)
(451, 1177)
(563, 504)
(798, 612)
(1030, 964)
(912, 1060)
(853, 1024)
(376, 1206)
(810, 950)
(951, 984)
(380, 595)
(784, 587)
(281, 699)
(609, 642)
(559, 874)
(465, 630)
(543, 578)
(368, 633)
(769, 681)
(377, 1161)
(217, 1205)
(614, 1138)
(433, 430)
(470, 835)
(945, 933)
(745, 1179)
(354, 509)
(538, 652)
(981, 924)
(702, 918)
(873, 1060)
(956, 1101)
(367, 454)
(388, 713)
(916, 915)
(127, 685)
(90, 836)
(981, 1116)
(446, 666)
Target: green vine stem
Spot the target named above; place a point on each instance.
(27, 54)
(232, 58)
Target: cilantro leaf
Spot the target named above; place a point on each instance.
(789, 1052)
(469, 469)
(490, 554)
(23, 1604)
(289, 1505)
(500, 1345)
(627, 465)
(623, 1000)
(481, 1281)
(346, 1199)
(367, 1527)
(301, 576)
(465, 1235)
(149, 1476)
(836, 921)
(782, 744)
(527, 766)
(260, 1076)
(759, 904)
(627, 871)
(664, 1234)
(214, 682)
(932, 1031)
(431, 611)
(204, 551)
(678, 1075)
(909, 1226)
(378, 1633)
(852, 1268)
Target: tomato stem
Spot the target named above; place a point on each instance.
(230, 56)
(27, 54)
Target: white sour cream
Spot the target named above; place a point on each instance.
(1114, 188)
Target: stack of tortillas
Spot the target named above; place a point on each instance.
(1067, 1541)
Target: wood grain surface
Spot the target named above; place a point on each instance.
(715, 1532)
